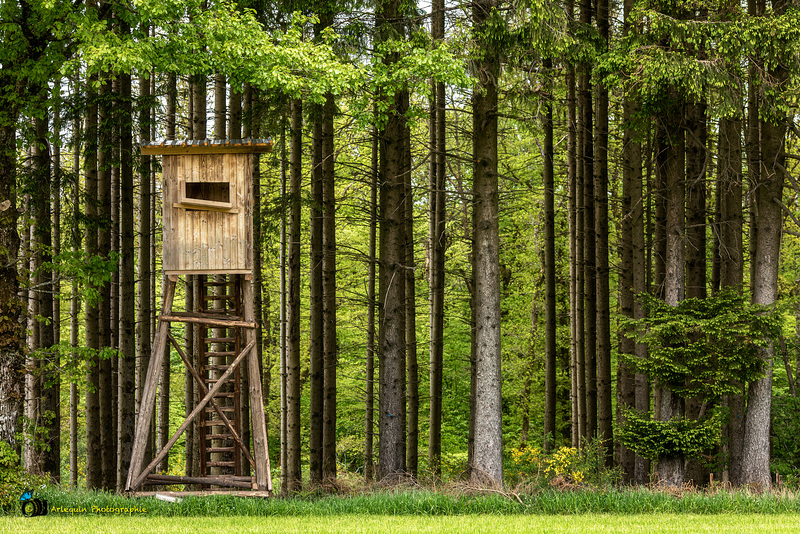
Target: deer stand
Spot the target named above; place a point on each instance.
(236, 344)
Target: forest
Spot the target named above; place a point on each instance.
(486, 233)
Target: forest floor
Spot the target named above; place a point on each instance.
(586, 523)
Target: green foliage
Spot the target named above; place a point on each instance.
(14, 479)
(669, 439)
(703, 348)
(90, 270)
(564, 466)
(785, 429)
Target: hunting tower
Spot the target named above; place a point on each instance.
(207, 214)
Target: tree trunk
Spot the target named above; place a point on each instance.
(293, 392)
(12, 309)
(604, 396)
(769, 220)
(144, 312)
(670, 161)
(573, 248)
(437, 237)
(549, 279)
(391, 303)
(127, 376)
(391, 367)
(315, 332)
(696, 278)
(330, 349)
(283, 315)
(631, 210)
(75, 306)
(488, 460)
(92, 402)
(369, 403)
(47, 447)
(412, 367)
(731, 265)
(589, 237)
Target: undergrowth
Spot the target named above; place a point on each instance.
(451, 499)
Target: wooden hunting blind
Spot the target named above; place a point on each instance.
(207, 213)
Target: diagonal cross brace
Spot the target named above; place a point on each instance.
(213, 403)
(199, 408)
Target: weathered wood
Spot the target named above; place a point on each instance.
(207, 271)
(259, 146)
(197, 410)
(147, 404)
(205, 493)
(227, 322)
(259, 427)
(159, 480)
(204, 205)
(214, 405)
(206, 235)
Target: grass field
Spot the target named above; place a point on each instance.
(601, 523)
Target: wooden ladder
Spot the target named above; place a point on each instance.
(221, 297)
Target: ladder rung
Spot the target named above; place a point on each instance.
(217, 284)
(220, 353)
(220, 449)
(219, 340)
(218, 297)
(216, 367)
(222, 409)
(218, 436)
(220, 464)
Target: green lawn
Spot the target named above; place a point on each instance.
(603, 523)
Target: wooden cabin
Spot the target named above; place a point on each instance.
(207, 205)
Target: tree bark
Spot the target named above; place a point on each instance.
(670, 161)
(768, 192)
(369, 404)
(108, 395)
(127, 377)
(144, 288)
(437, 239)
(330, 349)
(391, 302)
(12, 308)
(92, 401)
(315, 326)
(75, 241)
(603, 316)
(589, 237)
(549, 278)
(293, 392)
(631, 210)
(488, 459)
(412, 367)
(731, 265)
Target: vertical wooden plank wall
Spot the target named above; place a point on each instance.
(203, 239)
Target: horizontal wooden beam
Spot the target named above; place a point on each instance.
(183, 317)
(163, 480)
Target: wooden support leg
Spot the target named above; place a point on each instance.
(259, 426)
(147, 405)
